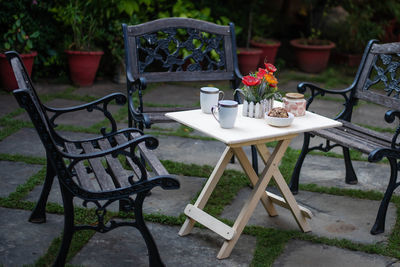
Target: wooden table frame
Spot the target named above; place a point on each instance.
(231, 234)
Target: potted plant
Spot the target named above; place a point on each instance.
(259, 91)
(352, 33)
(269, 49)
(83, 56)
(248, 57)
(312, 53)
(19, 40)
(262, 39)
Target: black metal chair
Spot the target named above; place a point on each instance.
(177, 50)
(91, 170)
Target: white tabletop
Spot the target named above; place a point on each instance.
(249, 129)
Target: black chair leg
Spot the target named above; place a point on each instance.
(68, 226)
(254, 158)
(351, 177)
(154, 256)
(294, 181)
(379, 226)
(38, 214)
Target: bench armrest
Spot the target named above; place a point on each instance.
(99, 104)
(379, 153)
(136, 115)
(390, 117)
(318, 91)
(394, 150)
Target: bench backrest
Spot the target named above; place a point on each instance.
(378, 77)
(181, 49)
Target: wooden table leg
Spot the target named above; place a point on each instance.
(287, 194)
(291, 201)
(251, 174)
(208, 189)
(248, 209)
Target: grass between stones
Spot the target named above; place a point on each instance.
(270, 242)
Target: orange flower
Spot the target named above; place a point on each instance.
(271, 79)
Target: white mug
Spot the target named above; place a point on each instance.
(227, 112)
(209, 97)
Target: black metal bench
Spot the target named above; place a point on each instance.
(376, 82)
(92, 169)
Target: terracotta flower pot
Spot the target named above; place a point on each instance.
(268, 51)
(311, 58)
(351, 60)
(248, 59)
(9, 83)
(83, 66)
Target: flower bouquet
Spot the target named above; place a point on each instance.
(259, 91)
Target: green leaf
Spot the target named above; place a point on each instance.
(29, 44)
(19, 37)
(35, 34)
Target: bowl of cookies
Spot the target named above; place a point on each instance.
(279, 117)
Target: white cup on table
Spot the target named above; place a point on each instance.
(227, 112)
(209, 97)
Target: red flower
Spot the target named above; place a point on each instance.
(270, 67)
(250, 80)
(261, 72)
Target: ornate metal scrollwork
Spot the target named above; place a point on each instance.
(386, 72)
(171, 49)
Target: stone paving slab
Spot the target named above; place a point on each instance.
(307, 254)
(101, 88)
(330, 172)
(333, 216)
(27, 142)
(44, 87)
(167, 202)
(14, 174)
(79, 118)
(125, 247)
(22, 242)
(7, 104)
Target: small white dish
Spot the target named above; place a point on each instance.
(279, 122)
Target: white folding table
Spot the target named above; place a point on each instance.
(248, 131)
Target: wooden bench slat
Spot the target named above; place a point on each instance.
(119, 174)
(84, 179)
(103, 178)
(121, 139)
(385, 138)
(377, 142)
(343, 138)
(151, 158)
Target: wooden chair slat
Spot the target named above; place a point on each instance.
(119, 174)
(151, 158)
(121, 139)
(103, 177)
(385, 138)
(86, 181)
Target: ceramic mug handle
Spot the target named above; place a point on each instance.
(212, 112)
(221, 95)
